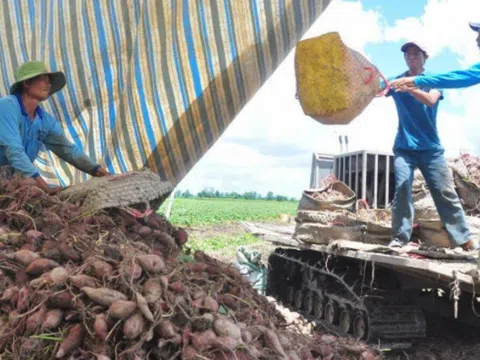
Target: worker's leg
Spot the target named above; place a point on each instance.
(439, 179)
(402, 214)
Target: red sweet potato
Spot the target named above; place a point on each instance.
(177, 287)
(81, 281)
(36, 319)
(101, 326)
(25, 257)
(52, 319)
(69, 253)
(143, 307)
(34, 236)
(151, 263)
(64, 300)
(103, 296)
(165, 330)
(134, 326)
(121, 309)
(225, 327)
(152, 290)
(39, 266)
(23, 299)
(74, 339)
(101, 269)
(204, 340)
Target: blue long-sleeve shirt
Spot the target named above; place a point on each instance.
(22, 138)
(451, 80)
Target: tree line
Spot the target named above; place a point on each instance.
(248, 195)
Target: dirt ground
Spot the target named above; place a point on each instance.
(446, 340)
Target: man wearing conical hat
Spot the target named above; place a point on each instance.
(25, 127)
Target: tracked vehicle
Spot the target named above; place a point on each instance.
(380, 295)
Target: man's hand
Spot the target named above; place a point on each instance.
(101, 171)
(403, 84)
(42, 184)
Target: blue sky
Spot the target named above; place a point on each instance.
(269, 145)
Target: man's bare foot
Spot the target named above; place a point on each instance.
(471, 245)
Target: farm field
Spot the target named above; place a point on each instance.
(212, 224)
(208, 212)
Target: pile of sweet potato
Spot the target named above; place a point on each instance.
(108, 285)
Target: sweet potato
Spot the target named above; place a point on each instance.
(103, 296)
(196, 267)
(74, 339)
(121, 309)
(273, 343)
(21, 277)
(101, 269)
(36, 319)
(100, 326)
(39, 266)
(29, 247)
(132, 271)
(25, 257)
(225, 343)
(165, 330)
(59, 275)
(81, 281)
(34, 236)
(143, 307)
(52, 320)
(177, 287)
(134, 326)
(144, 231)
(181, 236)
(9, 294)
(204, 340)
(64, 300)
(23, 299)
(210, 304)
(189, 353)
(49, 245)
(69, 253)
(246, 336)
(151, 263)
(229, 301)
(166, 241)
(152, 290)
(225, 327)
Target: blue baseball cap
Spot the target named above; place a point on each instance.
(475, 26)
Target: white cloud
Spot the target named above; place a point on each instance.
(444, 25)
(272, 124)
(270, 143)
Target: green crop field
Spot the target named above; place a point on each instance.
(205, 212)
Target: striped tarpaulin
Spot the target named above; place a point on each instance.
(149, 83)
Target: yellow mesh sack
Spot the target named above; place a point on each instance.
(334, 83)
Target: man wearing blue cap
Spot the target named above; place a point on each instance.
(25, 128)
(417, 145)
(450, 80)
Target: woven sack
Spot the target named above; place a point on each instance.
(324, 234)
(334, 83)
(468, 190)
(377, 221)
(338, 217)
(310, 201)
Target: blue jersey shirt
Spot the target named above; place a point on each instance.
(21, 139)
(417, 123)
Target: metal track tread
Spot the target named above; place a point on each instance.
(337, 301)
